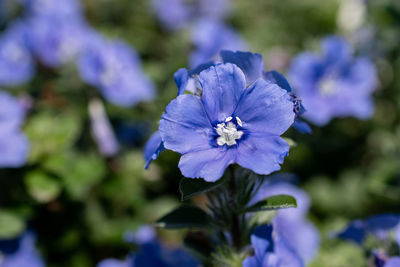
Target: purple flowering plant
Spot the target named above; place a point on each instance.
(227, 123)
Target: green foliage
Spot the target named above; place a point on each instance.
(185, 216)
(194, 187)
(273, 203)
(10, 225)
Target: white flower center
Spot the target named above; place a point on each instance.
(228, 132)
(328, 86)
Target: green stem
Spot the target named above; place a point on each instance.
(235, 226)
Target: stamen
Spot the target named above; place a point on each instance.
(228, 133)
(239, 121)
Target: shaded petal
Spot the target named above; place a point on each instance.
(181, 79)
(265, 108)
(302, 236)
(153, 148)
(355, 232)
(262, 154)
(250, 262)
(251, 64)
(185, 127)
(336, 50)
(286, 255)
(275, 77)
(302, 127)
(222, 87)
(208, 164)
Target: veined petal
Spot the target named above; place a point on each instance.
(222, 87)
(261, 153)
(208, 164)
(265, 108)
(185, 127)
(251, 64)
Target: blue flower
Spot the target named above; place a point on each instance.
(65, 9)
(16, 63)
(20, 252)
(209, 38)
(114, 68)
(334, 84)
(56, 41)
(229, 123)
(291, 224)
(271, 250)
(14, 146)
(253, 68)
(379, 226)
(151, 253)
(177, 14)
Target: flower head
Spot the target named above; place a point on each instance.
(115, 68)
(16, 62)
(14, 146)
(20, 252)
(229, 123)
(292, 224)
(65, 9)
(334, 84)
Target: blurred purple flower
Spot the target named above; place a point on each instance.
(177, 14)
(151, 253)
(56, 41)
(102, 130)
(14, 146)
(229, 123)
(115, 68)
(334, 84)
(16, 62)
(20, 252)
(380, 226)
(291, 224)
(64, 9)
(209, 38)
(271, 250)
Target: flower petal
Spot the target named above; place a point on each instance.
(153, 148)
(185, 127)
(251, 64)
(222, 87)
(277, 78)
(265, 108)
(208, 164)
(262, 154)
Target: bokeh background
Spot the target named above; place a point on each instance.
(79, 201)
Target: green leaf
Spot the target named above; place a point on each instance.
(50, 132)
(10, 225)
(193, 187)
(273, 203)
(186, 216)
(42, 187)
